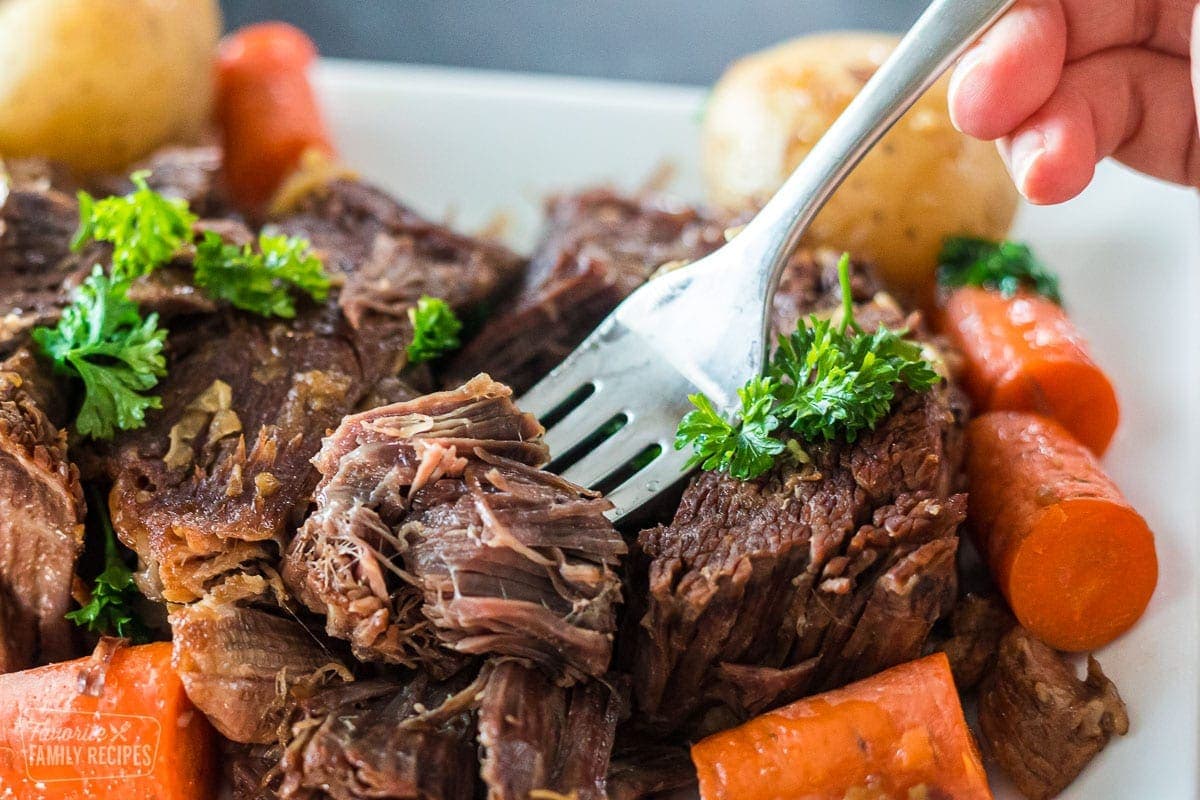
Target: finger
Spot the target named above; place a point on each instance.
(1133, 104)
(1095, 25)
(1196, 67)
(1011, 71)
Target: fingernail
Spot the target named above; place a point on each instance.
(1023, 152)
(969, 62)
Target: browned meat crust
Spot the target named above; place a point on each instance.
(1040, 722)
(598, 248)
(41, 520)
(813, 576)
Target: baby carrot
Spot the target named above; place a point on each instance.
(1022, 353)
(1075, 561)
(116, 728)
(900, 733)
(266, 108)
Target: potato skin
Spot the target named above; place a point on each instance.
(923, 182)
(97, 84)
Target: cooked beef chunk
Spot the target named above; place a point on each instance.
(805, 579)
(378, 739)
(810, 282)
(598, 248)
(41, 520)
(37, 267)
(494, 555)
(191, 173)
(248, 770)
(1040, 722)
(236, 656)
(648, 770)
(977, 625)
(535, 735)
(216, 479)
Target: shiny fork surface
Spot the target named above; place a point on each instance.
(704, 327)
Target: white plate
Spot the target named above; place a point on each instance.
(469, 145)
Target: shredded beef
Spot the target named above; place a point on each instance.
(381, 739)
(977, 625)
(1040, 722)
(535, 735)
(435, 533)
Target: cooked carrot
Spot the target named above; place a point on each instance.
(1073, 558)
(1022, 353)
(86, 729)
(266, 108)
(894, 734)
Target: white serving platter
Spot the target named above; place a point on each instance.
(470, 145)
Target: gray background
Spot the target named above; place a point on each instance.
(682, 41)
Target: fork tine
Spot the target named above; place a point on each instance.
(644, 485)
(583, 421)
(578, 370)
(609, 455)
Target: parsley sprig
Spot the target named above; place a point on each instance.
(258, 280)
(145, 229)
(435, 329)
(825, 381)
(110, 609)
(1004, 266)
(102, 338)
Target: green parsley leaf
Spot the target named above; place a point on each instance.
(110, 610)
(744, 448)
(145, 229)
(260, 280)
(825, 381)
(102, 338)
(1004, 266)
(435, 330)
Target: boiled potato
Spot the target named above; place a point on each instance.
(923, 181)
(98, 83)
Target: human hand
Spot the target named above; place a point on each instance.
(1063, 84)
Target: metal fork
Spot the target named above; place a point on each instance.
(705, 327)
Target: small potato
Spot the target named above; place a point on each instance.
(97, 84)
(923, 182)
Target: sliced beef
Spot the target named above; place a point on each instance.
(1039, 721)
(537, 736)
(436, 533)
(809, 577)
(37, 268)
(599, 247)
(41, 519)
(380, 739)
(648, 769)
(977, 625)
(237, 656)
(218, 477)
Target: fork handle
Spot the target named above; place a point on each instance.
(939, 37)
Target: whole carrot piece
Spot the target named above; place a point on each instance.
(266, 109)
(900, 733)
(1075, 561)
(1022, 353)
(114, 725)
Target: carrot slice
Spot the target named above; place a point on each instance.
(895, 734)
(85, 729)
(1022, 353)
(1075, 561)
(266, 109)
